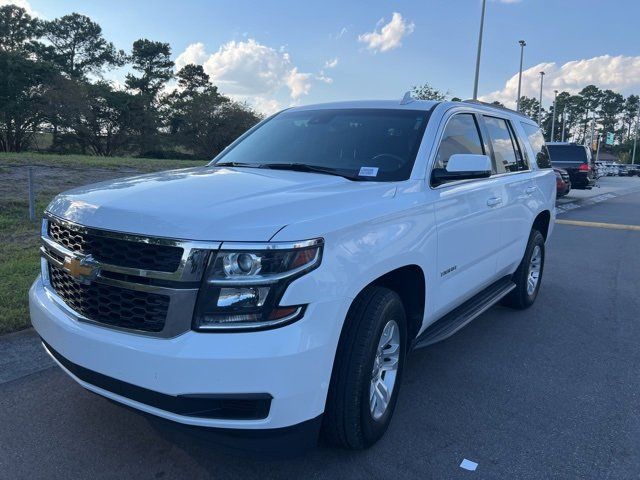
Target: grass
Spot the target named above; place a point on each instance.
(19, 263)
(19, 237)
(87, 161)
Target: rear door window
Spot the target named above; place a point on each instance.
(536, 140)
(507, 152)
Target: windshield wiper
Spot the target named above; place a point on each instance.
(237, 164)
(303, 167)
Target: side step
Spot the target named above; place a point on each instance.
(462, 315)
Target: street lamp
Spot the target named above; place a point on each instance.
(553, 120)
(475, 83)
(540, 104)
(635, 138)
(522, 45)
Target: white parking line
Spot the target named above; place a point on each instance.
(567, 207)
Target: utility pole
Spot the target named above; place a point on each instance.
(598, 149)
(564, 121)
(553, 120)
(593, 128)
(522, 45)
(635, 138)
(540, 104)
(475, 83)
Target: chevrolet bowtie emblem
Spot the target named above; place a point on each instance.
(83, 270)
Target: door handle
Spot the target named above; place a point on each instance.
(493, 201)
(529, 190)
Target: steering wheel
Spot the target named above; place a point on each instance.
(399, 161)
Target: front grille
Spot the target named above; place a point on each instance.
(111, 305)
(115, 251)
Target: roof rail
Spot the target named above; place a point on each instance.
(407, 98)
(500, 107)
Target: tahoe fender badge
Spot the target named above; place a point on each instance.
(448, 270)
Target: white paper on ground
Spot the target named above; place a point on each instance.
(468, 465)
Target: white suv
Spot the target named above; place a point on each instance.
(277, 291)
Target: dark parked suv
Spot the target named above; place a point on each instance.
(576, 160)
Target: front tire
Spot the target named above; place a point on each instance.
(528, 276)
(367, 370)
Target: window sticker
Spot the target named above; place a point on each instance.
(368, 172)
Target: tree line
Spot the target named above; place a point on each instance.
(51, 80)
(590, 111)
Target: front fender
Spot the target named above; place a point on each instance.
(360, 252)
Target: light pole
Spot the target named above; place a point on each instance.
(564, 122)
(522, 45)
(475, 83)
(553, 120)
(540, 104)
(635, 139)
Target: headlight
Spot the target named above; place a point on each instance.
(244, 283)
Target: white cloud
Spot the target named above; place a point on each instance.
(333, 63)
(194, 53)
(324, 78)
(21, 3)
(322, 75)
(250, 71)
(339, 35)
(389, 36)
(250, 68)
(267, 106)
(619, 73)
(117, 85)
(298, 83)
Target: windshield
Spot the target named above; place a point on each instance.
(567, 153)
(360, 144)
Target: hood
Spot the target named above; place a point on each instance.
(214, 204)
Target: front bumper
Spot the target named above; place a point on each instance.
(292, 365)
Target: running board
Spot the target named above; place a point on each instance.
(462, 315)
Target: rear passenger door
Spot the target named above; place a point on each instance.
(517, 189)
(467, 217)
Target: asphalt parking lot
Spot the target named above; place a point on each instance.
(551, 392)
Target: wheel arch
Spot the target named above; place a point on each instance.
(541, 223)
(409, 282)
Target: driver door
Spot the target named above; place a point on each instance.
(467, 219)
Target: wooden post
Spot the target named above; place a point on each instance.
(32, 196)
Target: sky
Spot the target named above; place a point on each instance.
(273, 54)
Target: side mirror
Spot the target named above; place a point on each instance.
(463, 166)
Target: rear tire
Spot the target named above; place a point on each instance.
(528, 276)
(354, 416)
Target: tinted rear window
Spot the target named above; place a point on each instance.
(567, 153)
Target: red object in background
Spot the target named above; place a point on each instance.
(563, 182)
